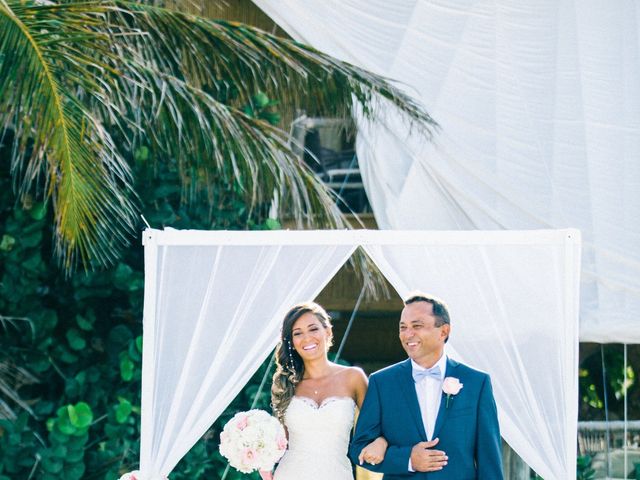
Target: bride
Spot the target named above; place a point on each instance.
(316, 400)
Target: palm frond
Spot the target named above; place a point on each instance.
(189, 62)
(222, 142)
(44, 66)
(74, 73)
(12, 376)
(215, 53)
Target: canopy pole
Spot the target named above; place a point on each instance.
(348, 329)
(606, 410)
(626, 418)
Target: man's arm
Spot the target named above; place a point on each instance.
(369, 427)
(488, 443)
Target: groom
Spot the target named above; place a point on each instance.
(437, 415)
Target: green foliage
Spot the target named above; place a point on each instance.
(68, 436)
(591, 381)
(263, 108)
(83, 340)
(69, 70)
(17, 445)
(584, 470)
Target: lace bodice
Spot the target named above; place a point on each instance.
(318, 439)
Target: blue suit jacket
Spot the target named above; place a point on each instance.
(468, 428)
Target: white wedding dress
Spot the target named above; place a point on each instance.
(318, 440)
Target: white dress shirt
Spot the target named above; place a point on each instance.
(429, 392)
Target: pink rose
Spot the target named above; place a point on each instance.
(242, 423)
(248, 455)
(281, 442)
(451, 386)
(132, 475)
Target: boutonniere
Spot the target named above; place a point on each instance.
(451, 386)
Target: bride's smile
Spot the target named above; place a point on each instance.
(310, 338)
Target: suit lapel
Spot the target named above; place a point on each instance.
(409, 390)
(443, 410)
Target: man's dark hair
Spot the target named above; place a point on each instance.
(440, 310)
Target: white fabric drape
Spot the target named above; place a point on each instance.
(214, 302)
(212, 315)
(507, 324)
(539, 107)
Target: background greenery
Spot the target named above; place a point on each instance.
(72, 346)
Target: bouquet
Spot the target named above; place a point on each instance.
(135, 475)
(253, 440)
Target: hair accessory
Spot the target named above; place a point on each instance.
(293, 366)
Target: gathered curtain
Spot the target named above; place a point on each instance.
(214, 302)
(507, 323)
(212, 315)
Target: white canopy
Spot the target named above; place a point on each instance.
(539, 107)
(214, 302)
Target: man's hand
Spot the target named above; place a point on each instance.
(423, 459)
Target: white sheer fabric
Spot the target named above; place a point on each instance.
(520, 328)
(214, 302)
(539, 106)
(212, 315)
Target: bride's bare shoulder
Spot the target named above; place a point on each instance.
(353, 375)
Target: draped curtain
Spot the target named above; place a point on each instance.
(214, 302)
(212, 315)
(539, 108)
(506, 323)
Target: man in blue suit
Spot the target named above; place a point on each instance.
(438, 416)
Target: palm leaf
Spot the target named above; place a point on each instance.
(43, 67)
(71, 73)
(212, 52)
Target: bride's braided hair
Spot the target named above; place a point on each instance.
(289, 365)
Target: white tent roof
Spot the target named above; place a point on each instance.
(539, 104)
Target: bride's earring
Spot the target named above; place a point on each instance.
(293, 366)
